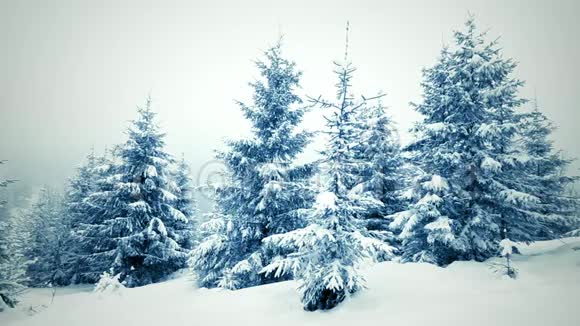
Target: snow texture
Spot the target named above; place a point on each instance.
(545, 293)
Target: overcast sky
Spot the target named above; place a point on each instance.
(72, 72)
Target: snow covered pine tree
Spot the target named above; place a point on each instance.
(472, 187)
(135, 221)
(13, 264)
(546, 178)
(79, 188)
(384, 172)
(185, 203)
(326, 255)
(51, 243)
(89, 191)
(506, 266)
(266, 190)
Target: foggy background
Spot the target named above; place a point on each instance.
(72, 72)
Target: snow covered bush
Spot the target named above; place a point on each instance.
(573, 233)
(508, 248)
(109, 284)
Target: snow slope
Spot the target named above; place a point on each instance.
(547, 292)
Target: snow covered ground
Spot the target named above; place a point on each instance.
(547, 292)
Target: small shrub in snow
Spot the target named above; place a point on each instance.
(575, 233)
(506, 268)
(109, 283)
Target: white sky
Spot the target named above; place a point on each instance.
(72, 72)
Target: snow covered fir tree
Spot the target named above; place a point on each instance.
(185, 202)
(51, 243)
(13, 263)
(266, 189)
(545, 171)
(86, 199)
(134, 226)
(474, 183)
(79, 188)
(384, 173)
(326, 255)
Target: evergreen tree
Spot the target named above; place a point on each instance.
(507, 250)
(326, 255)
(135, 221)
(213, 259)
(90, 211)
(546, 178)
(470, 189)
(79, 188)
(266, 189)
(185, 202)
(384, 175)
(13, 263)
(3, 184)
(50, 249)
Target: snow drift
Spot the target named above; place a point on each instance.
(547, 292)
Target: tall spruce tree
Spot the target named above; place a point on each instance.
(185, 203)
(266, 189)
(326, 255)
(79, 188)
(51, 242)
(14, 238)
(470, 190)
(135, 221)
(96, 245)
(13, 262)
(384, 173)
(546, 177)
